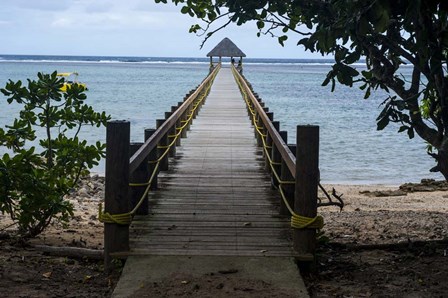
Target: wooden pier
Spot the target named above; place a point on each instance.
(216, 199)
(232, 188)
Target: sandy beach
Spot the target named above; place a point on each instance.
(372, 215)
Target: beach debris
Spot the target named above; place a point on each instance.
(47, 274)
(329, 201)
(384, 193)
(228, 271)
(425, 185)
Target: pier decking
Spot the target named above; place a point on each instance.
(216, 198)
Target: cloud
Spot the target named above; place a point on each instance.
(43, 5)
(112, 21)
(5, 23)
(98, 7)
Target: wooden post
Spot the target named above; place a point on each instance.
(177, 125)
(152, 156)
(249, 106)
(140, 175)
(116, 237)
(187, 113)
(171, 133)
(196, 111)
(288, 189)
(260, 125)
(307, 180)
(163, 166)
(268, 143)
(276, 156)
(182, 118)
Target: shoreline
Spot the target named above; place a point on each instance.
(335, 183)
(373, 206)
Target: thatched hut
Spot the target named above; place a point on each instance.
(226, 48)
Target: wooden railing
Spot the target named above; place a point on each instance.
(134, 164)
(294, 168)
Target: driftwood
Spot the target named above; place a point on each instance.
(384, 193)
(71, 252)
(339, 203)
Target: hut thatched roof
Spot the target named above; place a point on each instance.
(226, 48)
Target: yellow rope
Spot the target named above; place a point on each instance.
(299, 221)
(121, 219)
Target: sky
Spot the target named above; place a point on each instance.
(121, 28)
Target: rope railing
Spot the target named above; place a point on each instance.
(297, 221)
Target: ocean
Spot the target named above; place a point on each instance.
(141, 89)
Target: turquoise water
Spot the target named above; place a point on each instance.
(352, 151)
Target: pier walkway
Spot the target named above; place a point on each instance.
(214, 209)
(216, 199)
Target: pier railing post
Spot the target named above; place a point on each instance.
(141, 175)
(182, 120)
(307, 180)
(177, 125)
(171, 136)
(288, 187)
(162, 146)
(268, 144)
(116, 237)
(195, 103)
(277, 159)
(187, 114)
(152, 158)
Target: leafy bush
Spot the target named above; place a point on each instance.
(33, 184)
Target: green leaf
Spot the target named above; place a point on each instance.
(282, 39)
(185, 10)
(326, 81)
(363, 27)
(411, 133)
(403, 128)
(383, 122)
(367, 94)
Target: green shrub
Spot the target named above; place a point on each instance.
(34, 181)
